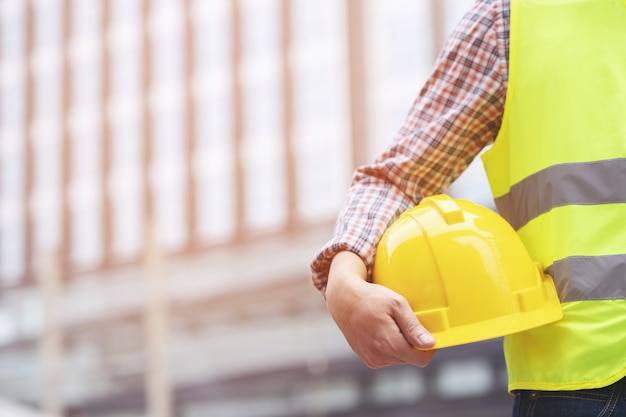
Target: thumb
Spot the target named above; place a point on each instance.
(414, 332)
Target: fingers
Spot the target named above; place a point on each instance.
(414, 335)
(394, 334)
(411, 328)
(393, 349)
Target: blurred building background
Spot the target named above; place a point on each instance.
(167, 170)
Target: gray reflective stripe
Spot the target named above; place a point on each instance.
(559, 185)
(590, 277)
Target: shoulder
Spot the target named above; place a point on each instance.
(490, 12)
(485, 25)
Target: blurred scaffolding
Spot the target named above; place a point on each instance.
(167, 170)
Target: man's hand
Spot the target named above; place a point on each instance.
(377, 322)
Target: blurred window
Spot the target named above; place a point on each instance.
(265, 185)
(168, 118)
(321, 135)
(126, 187)
(11, 210)
(214, 158)
(213, 40)
(260, 24)
(85, 132)
(398, 385)
(270, 406)
(12, 117)
(166, 31)
(86, 18)
(8, 325)
(168, 175)
(85, 198)
(454, 10)
(330, 396)
(263, 143)
(399, 58)
(46, 127)
(215, 166)
(124, 110)
(465, 378)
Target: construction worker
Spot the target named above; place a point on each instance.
(545, 82)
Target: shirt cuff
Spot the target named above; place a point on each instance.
(320, 265)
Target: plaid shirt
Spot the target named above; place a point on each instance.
(457, 113)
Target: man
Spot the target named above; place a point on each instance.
(545, 81)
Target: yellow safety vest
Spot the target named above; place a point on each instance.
(557, 171)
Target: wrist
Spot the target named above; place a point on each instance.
(347, 270)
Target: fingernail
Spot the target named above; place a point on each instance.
(427, 339)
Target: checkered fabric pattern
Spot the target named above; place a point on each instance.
(456, 114)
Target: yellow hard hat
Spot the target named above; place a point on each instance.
(465, 272)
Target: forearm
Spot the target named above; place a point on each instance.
(451, 120)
